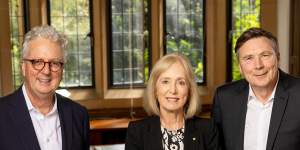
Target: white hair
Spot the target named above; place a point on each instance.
(47, 32)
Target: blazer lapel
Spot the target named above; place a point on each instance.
(155, 135)
(22, 122)
(240, 106)
(190, 136)
(280, 102)
(65, 116)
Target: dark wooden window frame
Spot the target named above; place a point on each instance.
(91, 35)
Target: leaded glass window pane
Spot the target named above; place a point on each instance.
(129, 45)
(16, 37)
(73, 18)
(245, 14)
(184, 28)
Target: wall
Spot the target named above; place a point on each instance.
(283, 30)
(5, 63)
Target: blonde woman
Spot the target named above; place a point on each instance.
(172, 100)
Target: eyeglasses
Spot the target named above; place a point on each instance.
(39, 64)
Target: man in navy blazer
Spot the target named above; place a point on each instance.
(262, 111)
(35, 117)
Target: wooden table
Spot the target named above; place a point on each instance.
(108, 131)
(109, 124)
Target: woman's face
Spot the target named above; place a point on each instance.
(172, 89)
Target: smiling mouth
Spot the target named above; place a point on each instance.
(45, 80)
(172, 99)
(261, 74)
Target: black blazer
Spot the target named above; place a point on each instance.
(230, 107)
(146, 134)
(17, 131)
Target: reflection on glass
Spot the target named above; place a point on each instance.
(129, 42)
(184, 32)
(73, 19)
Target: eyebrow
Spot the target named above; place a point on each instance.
(269, 52)
(265, 51)
(180, 78)
(52, 59)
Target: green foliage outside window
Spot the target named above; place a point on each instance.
(129, 42)
(245, 14)
(73, 19)
(184, 28)
(16, 38)
(186, 35)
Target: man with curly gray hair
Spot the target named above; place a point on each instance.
(35, 117)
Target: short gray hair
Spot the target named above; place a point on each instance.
(47, 32)
(253, 33)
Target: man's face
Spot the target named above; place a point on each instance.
(258, 63)
(42, 82)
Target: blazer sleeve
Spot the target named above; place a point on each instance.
(133, 137)
(212, 140)
(216, 110)
(86, 132)
(217, 118)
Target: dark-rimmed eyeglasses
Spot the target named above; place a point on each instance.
(39, 64)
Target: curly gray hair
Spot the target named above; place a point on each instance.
(47, 32)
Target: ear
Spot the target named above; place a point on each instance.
(23, 68)
(240, 69)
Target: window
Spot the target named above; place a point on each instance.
(184, 30)
(129, 43)
(130, 36)
(245, 14)
(73, 18)
(17, 27)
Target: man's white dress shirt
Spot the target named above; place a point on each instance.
(257, 121)
(47, 127)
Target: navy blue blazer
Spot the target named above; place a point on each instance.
(199, 134)
(17, 131)
(230, 108)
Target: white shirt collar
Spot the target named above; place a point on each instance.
(252, 95)
(31, 107)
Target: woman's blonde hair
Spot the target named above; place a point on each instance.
(192, 105)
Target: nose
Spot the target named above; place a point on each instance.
(46, 69)
(259, 63)
(173, 88)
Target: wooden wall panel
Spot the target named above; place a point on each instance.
(295, 38)
(269, 15)
(5, 56)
